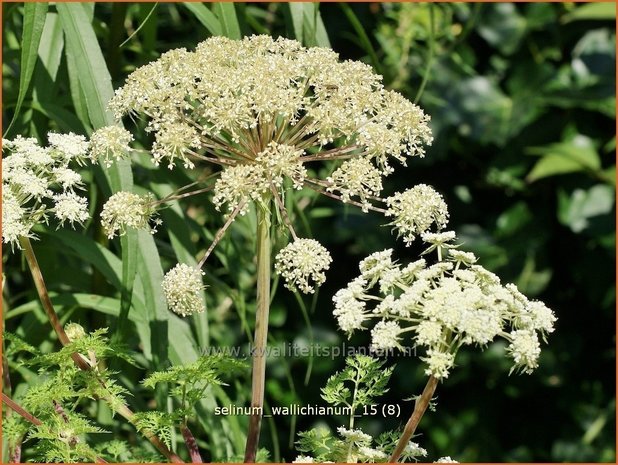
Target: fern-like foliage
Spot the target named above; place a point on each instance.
(189, 383)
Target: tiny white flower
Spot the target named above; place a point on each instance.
(67, 178)
(355, 436)
(446, 459)
(69, 146)
(303, 459)
(460, 256)
(357, 177)
(376, 264)
(414, 450)
(183, 287)
(429, 333)
(439, 363)
(369, 454)
(15, 219)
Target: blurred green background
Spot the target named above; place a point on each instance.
(522, 100)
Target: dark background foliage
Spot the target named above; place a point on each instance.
(522, 100)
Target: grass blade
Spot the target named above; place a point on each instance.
(206, 17)
(34, 21)
(362, 36)
(226, 12)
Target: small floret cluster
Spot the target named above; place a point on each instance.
(442, 307)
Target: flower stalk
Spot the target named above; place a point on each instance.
(420, 407)
(261, 330)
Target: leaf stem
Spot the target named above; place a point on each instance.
(261, 331)
(419, 410)
(41, 288)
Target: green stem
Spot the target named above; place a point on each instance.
(261, 331)
(419, 410)
(430, 58)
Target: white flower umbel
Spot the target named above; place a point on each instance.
(262, 110)
(109, 144)
(302, 264)
(39, 181)
(444, 306)
(125, 210)
(182, 287)
(416, 210)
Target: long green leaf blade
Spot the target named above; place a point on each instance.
(206, 17)
(226, 12)
(83, 47)
(34, 21)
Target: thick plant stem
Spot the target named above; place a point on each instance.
(41, 288)
(419, 410)
(261, 332)
(191, 443)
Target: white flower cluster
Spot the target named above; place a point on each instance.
(182, 287)
(125, 210)
(444, 306)
(38, 181)
(415, 210)
(302, 264)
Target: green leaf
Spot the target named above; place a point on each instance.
(34, 21)
(592, 11)
(65, 120)
(577, 210)
(50, 55)
(83, 49)
(564, 157)
(226, 12)
(206, 17)
(307, 24)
